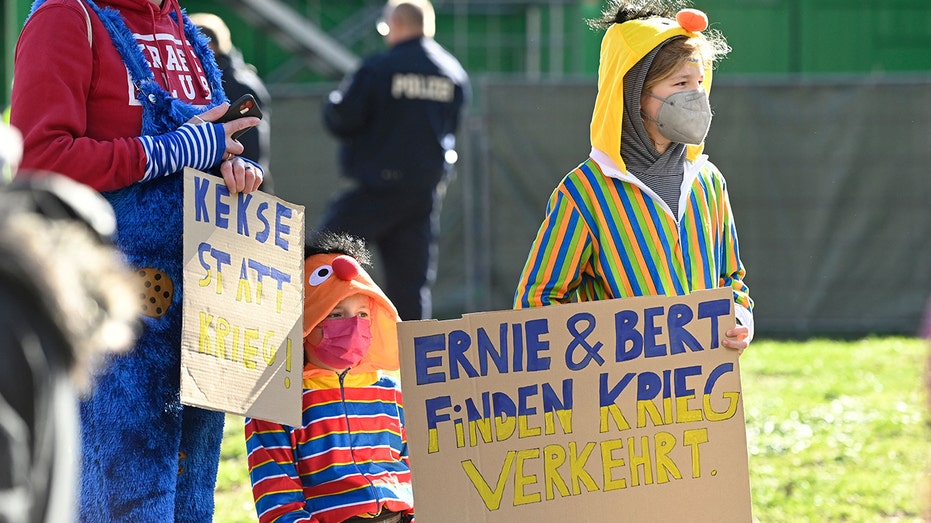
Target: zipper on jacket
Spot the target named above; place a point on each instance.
(352, 452)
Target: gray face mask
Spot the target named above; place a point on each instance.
(684, 117)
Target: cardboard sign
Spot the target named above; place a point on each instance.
(241, 346)
(615, 410)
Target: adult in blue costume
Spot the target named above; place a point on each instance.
(122, 95)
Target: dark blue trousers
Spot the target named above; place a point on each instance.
(402, 225)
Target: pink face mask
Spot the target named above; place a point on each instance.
(345, 342)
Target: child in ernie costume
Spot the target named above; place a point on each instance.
(348, 460)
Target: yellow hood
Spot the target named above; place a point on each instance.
(622, 47)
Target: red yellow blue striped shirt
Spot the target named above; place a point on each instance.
(349, 457)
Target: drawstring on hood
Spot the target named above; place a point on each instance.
(193, 34)
(185, 36)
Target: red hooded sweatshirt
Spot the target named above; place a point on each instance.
(73, 100)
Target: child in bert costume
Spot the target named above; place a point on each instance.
(646, 214)
(348, 460)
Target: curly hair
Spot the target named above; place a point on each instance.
(713, 46)
(328, 242)
(620, 11)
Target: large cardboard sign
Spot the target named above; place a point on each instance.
(616, 410)
(241, 347)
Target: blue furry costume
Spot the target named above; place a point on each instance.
(146, 457)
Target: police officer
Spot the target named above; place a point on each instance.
(395, 118)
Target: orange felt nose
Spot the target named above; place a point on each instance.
(346, 268)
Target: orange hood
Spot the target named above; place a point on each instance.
(329, 279)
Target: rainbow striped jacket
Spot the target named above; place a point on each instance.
(348, 458)
(607, 235)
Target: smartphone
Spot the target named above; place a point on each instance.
(244, 106)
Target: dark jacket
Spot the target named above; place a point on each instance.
(397, 115)
(240, 78)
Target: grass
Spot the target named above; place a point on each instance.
(837, 431)
(234, 490)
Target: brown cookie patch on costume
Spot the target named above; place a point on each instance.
(156, 293)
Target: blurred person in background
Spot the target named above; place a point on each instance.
(239, 78)
(396, 119)
(66, 299)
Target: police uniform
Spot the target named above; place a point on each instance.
(396, 118)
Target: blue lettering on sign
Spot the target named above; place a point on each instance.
(242, 222)
(262, 236)
(278, 229)
(714, 310)
(486, 350)
(718, 371)
(434, 405)
(201, 186)
(649, 384)
(625, 328)
(679, 316)
(222, 207)
(608, 395)
(438, 357)
(459, 343)
(633, 341)
(535, 330)
(651, 349)
(281, 228)
(580, 340)
(222, 258)
(423, 362)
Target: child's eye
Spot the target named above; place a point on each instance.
(320, 275)
(363, 314)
